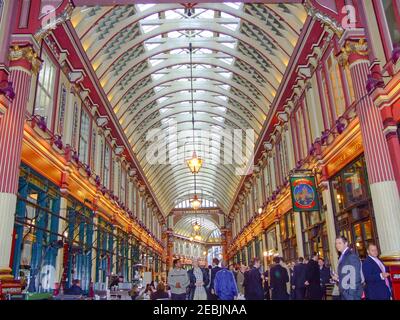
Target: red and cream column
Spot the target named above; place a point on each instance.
(384, 192)
(23, 63)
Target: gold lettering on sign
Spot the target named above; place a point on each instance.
(351, 151)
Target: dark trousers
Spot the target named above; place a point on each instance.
(300, 293)
(181, 296)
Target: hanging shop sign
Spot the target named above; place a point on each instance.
(304, 192)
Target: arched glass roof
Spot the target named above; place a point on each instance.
(140, 54)
(209, 230)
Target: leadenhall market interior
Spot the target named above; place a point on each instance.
(141, 140)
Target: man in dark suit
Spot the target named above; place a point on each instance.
(215, 268)
(253, 283)
(279, 277)
(349, 275)
(324, 275)
(376, 278)
(299, 279)
(313, 279)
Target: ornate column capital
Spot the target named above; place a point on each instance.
(27, 56)
(353, 50)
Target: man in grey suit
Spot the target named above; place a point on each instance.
(349, 275)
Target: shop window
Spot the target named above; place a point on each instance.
(392, 14)
(80, 236)
(45, 90)
(353, 206)
(75, 126)
(107, 163)
(36, 228)
(267, 184)
(61, 110)
(1, 10)
(288, 237)
(337, 87)
(84, 137)
(93, 149)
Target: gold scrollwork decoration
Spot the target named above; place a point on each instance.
(27, 53)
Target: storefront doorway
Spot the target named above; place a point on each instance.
(354, 214)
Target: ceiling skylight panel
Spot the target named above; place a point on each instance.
(144, 7)
(235, 5)
(173, 14)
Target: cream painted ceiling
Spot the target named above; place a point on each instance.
(140, 54)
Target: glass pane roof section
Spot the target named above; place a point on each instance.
(140, 54)
(209, 229)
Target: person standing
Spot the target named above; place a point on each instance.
(198, 282)
(279, 277)
(215, 268)
(253, 288)
(225, 285)
(313, 282)
(377, 278)
(266, 285)
(349, 275)
(299, 279)
(324, 276)
(240, 279)
(178, 280)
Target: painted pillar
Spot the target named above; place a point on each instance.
(384, 192)
(264, 249)
(94, 252)
(330, 223)
(170, 249)
(278, 238)
(62, 228)
(299, 234)
(6, 22)
(23, 63)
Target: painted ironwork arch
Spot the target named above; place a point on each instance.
(188, 129)
(182, 62)
(169, 91)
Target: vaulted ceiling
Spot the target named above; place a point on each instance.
(140, 54)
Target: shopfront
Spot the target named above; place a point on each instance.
(354, 215)
(122, 256)
(36, 244)
(104, 250)
(271, 244)
(288, 236)
(315, 234)
(80, 243)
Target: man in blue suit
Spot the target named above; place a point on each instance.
(349, 275)
(376, 278)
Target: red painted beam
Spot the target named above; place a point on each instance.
(126, 2)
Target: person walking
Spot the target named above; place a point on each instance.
(349, 277)
(377, 279)
(198, 282)
(253, 286)
(279, 277)
(313, 281)
(299, 279)
(214, 269)
(178, 280)
(225, 285)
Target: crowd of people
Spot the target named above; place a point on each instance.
(299, 280)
